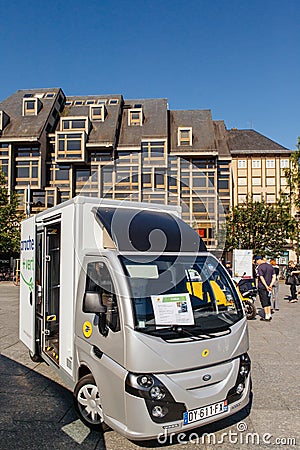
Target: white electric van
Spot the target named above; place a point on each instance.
(145, 325)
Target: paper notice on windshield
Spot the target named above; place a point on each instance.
(172, 309)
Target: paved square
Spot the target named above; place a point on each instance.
(36, 409)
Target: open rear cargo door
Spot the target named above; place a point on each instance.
(27, 284)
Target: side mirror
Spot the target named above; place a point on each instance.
(92, 303)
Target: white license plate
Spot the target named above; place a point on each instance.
(207, 411)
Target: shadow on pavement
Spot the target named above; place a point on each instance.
(37, 413)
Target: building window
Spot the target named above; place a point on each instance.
(4, 120)
(185, 136)
(38, 199)
(74, 123)
(270, 164)
(203, 163)
(113, 101)
(27, 151)
(70, 146)
(135, 117)
(31, 106)
(154, 151)
(242, 198)
(97, 112)
(242, 181)
(256, 181)
(223, 183)
(256, 163)
(99, 156)
(242, 164)
(271, 198)
(82, 179)
(270, 181)
(27, 173)
(50, 197)
(4, 166)
(284, 163)
(60, 174)
(50, 95)
(256, 197)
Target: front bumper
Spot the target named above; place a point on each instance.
(139, 425)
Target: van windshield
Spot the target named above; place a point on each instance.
(183, 295)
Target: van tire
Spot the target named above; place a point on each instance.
(87, 403)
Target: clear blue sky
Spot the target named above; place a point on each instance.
(240, 59)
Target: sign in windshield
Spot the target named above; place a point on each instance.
(190, 292)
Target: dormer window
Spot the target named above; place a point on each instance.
(185, 136)
(135, 117)
(4, 120)
(113, 101)
(31, 106)
(97, 112)
(74, 123)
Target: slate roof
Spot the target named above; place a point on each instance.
(250, 141)
(155, 123)
(202, 130)
(209, 137)
(27, 127)
(102, 133)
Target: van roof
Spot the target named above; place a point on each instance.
(148, 231)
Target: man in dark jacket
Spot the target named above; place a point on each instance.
(266, 279)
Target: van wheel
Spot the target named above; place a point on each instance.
(87, 403)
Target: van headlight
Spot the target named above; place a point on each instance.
(145, 381)
(245, 365)
(159, 411)
(157, 393)
(237, 391)
(160, 403)
(147, 386)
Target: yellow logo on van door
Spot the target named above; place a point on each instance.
(205, 353)
(87, 329)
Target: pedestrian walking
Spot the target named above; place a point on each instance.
(292, 279)
(266, 279)
(274, 298)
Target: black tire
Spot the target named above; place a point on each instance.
(250, 309)
(87, 403)
(34, 357)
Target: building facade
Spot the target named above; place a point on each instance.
(108, 146)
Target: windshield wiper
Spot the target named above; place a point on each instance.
(197, 333)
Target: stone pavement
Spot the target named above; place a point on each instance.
(36, 410)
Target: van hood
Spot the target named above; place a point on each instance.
(145, 353)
